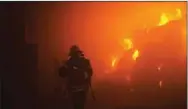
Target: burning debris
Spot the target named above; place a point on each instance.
(128, 47)
(135, 55)
(127, 44)
(163, 20)
(155, 51)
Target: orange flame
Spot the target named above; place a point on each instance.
(135, 54)
(163, 19)
(127, 44)
(114, 61)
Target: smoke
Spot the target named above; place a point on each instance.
(96, 27)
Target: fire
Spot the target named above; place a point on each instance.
(114, 61)
(163, 19)
(127, 44)
(178, 14)
(135, 54)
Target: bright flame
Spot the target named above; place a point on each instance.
(127, 44)
(135, 54)
(163, 19)
(160, 84)
(114, 62)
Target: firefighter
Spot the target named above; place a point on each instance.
(78, 71)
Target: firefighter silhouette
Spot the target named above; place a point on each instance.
(78, 71)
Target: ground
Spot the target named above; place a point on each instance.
(113, 96)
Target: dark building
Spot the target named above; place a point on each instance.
(19, 59)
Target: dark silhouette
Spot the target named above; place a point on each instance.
(78, 71)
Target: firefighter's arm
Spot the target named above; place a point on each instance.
(63, 70)
(90, 70)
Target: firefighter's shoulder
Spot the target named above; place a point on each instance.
(86, 59)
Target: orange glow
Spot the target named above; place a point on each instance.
(119, 39)
(135, 54)
(160, 84)
(114, 61)
(163, 19)
(131, 90)
(178, 14)
(128, 78)
(159, 68)
(127, 44)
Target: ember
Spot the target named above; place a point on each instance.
(160, 84)
(128, 44)
(135, 54)
(159, 68)
(114, 62)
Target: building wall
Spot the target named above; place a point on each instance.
(19, 59)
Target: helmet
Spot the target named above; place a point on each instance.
(74, 50)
